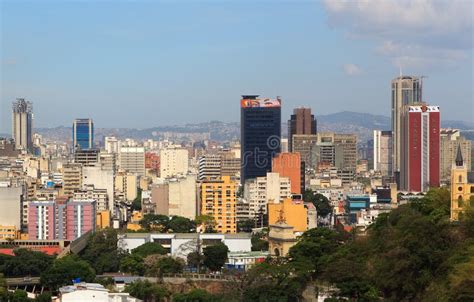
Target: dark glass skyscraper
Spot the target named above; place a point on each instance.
(83, 134)
(260, 123)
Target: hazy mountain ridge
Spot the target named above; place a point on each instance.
(359, 123)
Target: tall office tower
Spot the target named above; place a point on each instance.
(218, 199)
(383, 152)
(22, 124)
(451, 139)
(406, 90)
(132, 159)
(260, 122)
(420, 143)
(289, 165)
(83, 134)
(300, 122)
(209, 167)
(173, 161)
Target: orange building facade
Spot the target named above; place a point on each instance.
(289, 165)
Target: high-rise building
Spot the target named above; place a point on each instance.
(132, 159)
(305, 145)
(11, 201)
(126, 185)
(218, 199)
(289, 165)
(260, 122)
(451, 139)
(174, 161)
(112, 145)
(420, 143)
(22, 124)
(406, 90)
(300, 122)
(462, 185)
(383, 152)
(83, 134)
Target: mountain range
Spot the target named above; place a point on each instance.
(361, 124)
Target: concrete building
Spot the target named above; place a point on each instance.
(301, 122)
(175, 197)
(450, 140)
(22, 124)
(100, 178)
(112, 144)
(305, 145)
(8, 148)
(126, 184)
(86, 157)
(173, 161)
(383, 152)
(72, 178)
(180, 245)
(406, 90)
(294, 211)
(218, 199)
(11, 201)
(209, 167)
(462, 186)
(420, 148)
(91, 292)
(61, 219)
(259, 192)
(89, 192)
(289, 165)
(132, 159)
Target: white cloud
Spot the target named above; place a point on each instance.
(352, 69)
(417, 33)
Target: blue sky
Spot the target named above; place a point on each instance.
(150, 63)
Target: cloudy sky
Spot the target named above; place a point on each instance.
(149, 63)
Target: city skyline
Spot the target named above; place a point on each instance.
(140, 71)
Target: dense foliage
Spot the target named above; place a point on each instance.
(66, 269)
(101, 251)
(215, 256)
(147, 291)
(25, 263)
(165, 224)
(322, 204)
(413, 253)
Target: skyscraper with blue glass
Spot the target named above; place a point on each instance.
(260, 122)
(83, 134)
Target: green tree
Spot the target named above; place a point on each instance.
(44, 297)
(26, 263)
(153, 222)
(196, 295)
(195, 259)
(215, 256)
(102, 252)
(166, 265)
(178, 224)
(149, 248)
(19, 296)
(322, 204)
(245, 225)
(132, 264)
(137, 202)
(258, 243)
(207, 222)
(146, 291)
(64, 270)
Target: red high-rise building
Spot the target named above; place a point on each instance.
(420, 143)
(289, 165)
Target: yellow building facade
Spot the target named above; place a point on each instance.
(296, 215)
(218, 199)
(8, 232)
(103, 219)
(462, 187)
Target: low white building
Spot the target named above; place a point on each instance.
(181, 244)
(91, 292)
